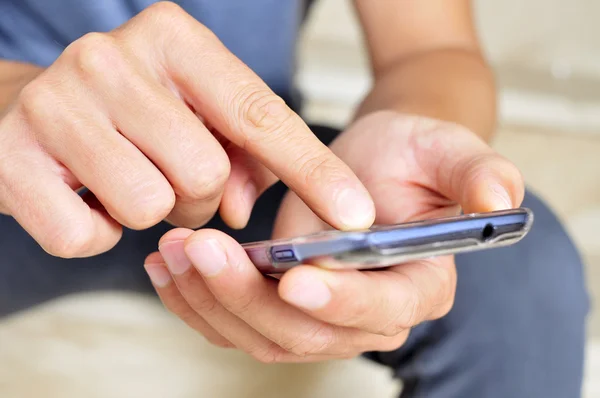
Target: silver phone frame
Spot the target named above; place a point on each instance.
(420, 239)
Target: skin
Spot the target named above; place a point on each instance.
(418, 144)
(154, 135)
(202, 135)
(315, 314)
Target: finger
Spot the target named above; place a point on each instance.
(48, 209)
(157, 122)
(245, 110)
(384, 302)
(243, 291)
(299, 348)
(70, 126)
(175, 303)
(465, 169)
(195, 292)
(247, 181)
(193, 289)
(486, 183)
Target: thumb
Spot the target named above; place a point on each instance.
(484, 182)
(472, 174)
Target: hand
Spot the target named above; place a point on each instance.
(415, 168)
(157, 119)
(207, 280)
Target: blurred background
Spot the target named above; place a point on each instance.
(547, 58)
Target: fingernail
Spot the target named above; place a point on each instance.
(175, 257)
(501, 199)
(208, 256)
(310, 293)
(355, 208)
(158, 273)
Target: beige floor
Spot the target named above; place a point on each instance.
(126, 346)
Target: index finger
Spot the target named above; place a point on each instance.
(230, 96)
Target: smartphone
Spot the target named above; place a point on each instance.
(386, 245)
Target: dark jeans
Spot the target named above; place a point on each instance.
(517, 328)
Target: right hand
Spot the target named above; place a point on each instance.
(121, 113)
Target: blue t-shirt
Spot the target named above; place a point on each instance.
(262, 33)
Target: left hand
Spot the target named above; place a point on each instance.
(414, 168)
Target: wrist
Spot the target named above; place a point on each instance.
(452, 85)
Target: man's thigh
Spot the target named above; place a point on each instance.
(30, 276)
(517, 328)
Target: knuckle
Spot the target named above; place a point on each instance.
(204, 304)
(476, 166)
(315, 167)
(487, 163)
(392, 343)
(207, 180)
(244, 303)
(482, 164)
(465, 172)
(318, 341)
(168, 16)
(405, 318)
(166, 11)
(94, 54)
(167, 21)
(36, 98)
(391, 329)
(263, 113)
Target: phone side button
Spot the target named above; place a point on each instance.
(284, 255)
